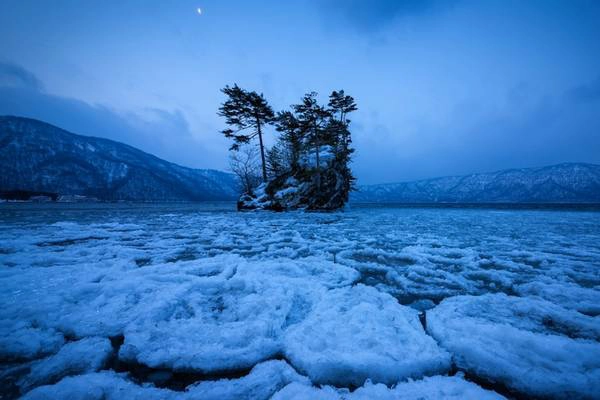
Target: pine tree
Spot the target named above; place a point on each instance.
(313, 118)
(340, 105)
(277, 162)
(292, 136)
(248, 112)
(309, 128)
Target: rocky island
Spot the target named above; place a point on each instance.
(309, 165)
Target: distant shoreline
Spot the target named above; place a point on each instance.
(500, 206)
(350, 206)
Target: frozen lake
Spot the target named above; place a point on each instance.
(436, 302)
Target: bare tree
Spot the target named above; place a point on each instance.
(245, 164)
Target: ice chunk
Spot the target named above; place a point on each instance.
(298, 391)
(527, 344)
(261, 383)
(230, 324)
(358, 333)
(19, 340)
(87, 301)
(312, 270)
(568, 295)
(105, 385)
(212, 326)
(104, 308)
(82, 279)
(85, 355)
(431, 388)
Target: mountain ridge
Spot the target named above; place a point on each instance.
(37, 156)
(559, 183)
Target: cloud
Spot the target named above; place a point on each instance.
(523, 127)
(160, 132)
(585, 93)
(531, 129)
(373, 16)
(12, 75)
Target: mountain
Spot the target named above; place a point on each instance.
(38, 157)
(562, 183)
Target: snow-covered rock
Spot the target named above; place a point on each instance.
(303, 188)
(85, 355)
(527, 344)
(430, 388)
(357, 333)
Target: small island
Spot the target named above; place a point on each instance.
(307, 168)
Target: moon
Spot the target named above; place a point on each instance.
(199, 10)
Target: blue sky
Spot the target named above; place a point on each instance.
(443, 87)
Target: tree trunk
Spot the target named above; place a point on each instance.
(317, 149)
(345, 135)
(262, 151)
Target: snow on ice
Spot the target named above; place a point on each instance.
(262, 382)
(429, 388)
(356, 333)
(530, 345)
(86, 355)
(282, 303)
(19, 340)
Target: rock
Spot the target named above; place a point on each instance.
(298, 190)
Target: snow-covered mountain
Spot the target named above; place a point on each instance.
(36, 156)
(562, 183)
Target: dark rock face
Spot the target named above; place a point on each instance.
(38, 157)
(562, 183)
(293, 191)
